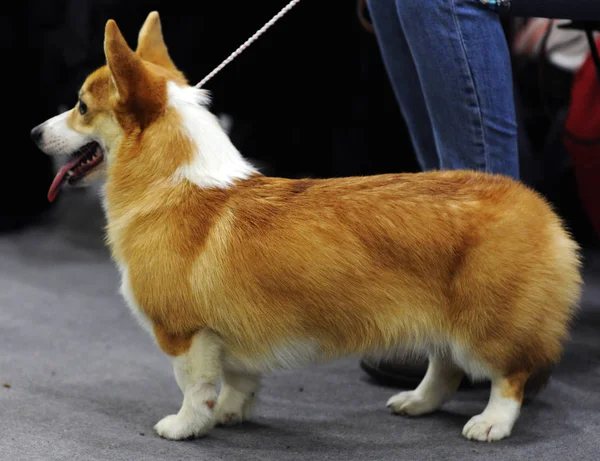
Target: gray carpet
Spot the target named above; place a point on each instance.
(86, 383)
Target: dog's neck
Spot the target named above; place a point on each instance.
(186, 157)
(216, 162)
(188, 146)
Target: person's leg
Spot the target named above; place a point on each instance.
(400, 66)
(463, 63)
(449, 64)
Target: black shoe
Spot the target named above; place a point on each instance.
(406, 374)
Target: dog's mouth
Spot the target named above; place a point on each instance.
(81, 164)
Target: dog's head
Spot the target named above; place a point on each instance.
(125, 95)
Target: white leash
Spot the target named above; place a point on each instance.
(249, 42)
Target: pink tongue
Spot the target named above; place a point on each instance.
(60, 177)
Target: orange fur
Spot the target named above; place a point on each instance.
(513, 386)
(356, 264)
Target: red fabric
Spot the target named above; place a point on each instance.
(583, 122)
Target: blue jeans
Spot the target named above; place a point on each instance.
(449, 64)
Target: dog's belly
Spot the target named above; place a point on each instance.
(289, 355)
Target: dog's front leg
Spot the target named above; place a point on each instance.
(197, 366)
(238, 393)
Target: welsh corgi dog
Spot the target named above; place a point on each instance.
(235, 274)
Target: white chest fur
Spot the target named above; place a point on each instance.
(127, 293)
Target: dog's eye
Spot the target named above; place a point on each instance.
(82, 107)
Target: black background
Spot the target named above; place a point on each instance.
(309, 98)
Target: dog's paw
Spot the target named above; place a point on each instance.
(412, 403)
(177, 427)
(229, 417)
(232, 413)
(485, 428)
(233, 409)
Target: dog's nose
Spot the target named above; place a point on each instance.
(36, 134)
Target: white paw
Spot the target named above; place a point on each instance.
(486, 428)
(411, 403)
(229, 417)
(231, 412)
(177, 427)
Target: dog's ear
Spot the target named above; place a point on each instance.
(124, 65)
(151, 44)
(137, 88)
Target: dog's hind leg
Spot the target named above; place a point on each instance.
(498, 418)
(440, 383)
